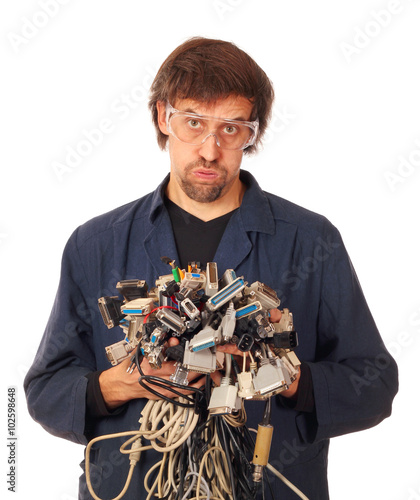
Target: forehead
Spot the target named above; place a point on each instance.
(231, 107)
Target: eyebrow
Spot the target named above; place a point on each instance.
(191, 110)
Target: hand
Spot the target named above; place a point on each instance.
(275, 317)
(118, 386)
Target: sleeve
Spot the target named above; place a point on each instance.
(354, 377)
(55, 385)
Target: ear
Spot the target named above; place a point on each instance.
(161, 116)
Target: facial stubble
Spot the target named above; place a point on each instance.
(203, 193)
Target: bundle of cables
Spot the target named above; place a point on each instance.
(203, 456)
(207, 450)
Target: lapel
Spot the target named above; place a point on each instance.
(234, 246)
(159, 243)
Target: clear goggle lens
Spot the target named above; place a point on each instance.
(195, 129)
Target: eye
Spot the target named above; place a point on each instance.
(230, 130)
(195, 124)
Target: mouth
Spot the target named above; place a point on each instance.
(205, 174)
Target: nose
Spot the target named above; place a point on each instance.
(209, 148)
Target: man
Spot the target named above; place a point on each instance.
(210, 104)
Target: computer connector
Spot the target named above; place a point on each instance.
(203, 361)
(291, 367)
(251, 308)
(110, 309)
(195, 281)
(212, 280)
(228, 277)
(227, 326)
(190, 309)
(285, 340)
(157, 334)
(171, 320)
(139, 307)
(180, 376)
(224, 400)
(155, 357)
(118, 352)
(226, 294)
(269, 378)
(207, 337)
(246, 385)
(132, 289)
(264, 294)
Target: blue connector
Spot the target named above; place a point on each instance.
(248, 309)
(227, 293)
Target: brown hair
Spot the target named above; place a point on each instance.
(206, 70)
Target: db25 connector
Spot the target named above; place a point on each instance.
(203, 361)
(208, 337)
(139, 307)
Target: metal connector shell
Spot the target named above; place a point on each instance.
(118, 352)
(266, 295)
(132, 289)
(212, 280)
(251, 308)
(223, 400)
(171, 320)
(195, 281)
(208, 337)
(226, 294)
(110, 309)
(203, 361)
(190, 309)
(268, 379)
(139, 307)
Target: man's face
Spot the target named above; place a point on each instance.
(205, 172)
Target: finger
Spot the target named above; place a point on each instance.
(216, 377)
(229, 349)
(198, 383)
(275, 315)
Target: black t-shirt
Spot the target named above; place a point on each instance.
(196, 240)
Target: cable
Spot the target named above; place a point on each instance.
(284, 479)
(133, 463)
(225, 447)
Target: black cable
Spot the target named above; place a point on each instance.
(164, 384)
(183, 467)
(267, 412)
(222, 438)
(241, 452)
(265, 473)
(168, 385)
(237, 440)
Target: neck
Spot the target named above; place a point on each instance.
(207, 211)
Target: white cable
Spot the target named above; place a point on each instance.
(287, 482)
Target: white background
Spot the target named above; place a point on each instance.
(346, 117)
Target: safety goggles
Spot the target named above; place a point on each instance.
(195, 129)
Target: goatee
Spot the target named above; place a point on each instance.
(203, 193)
